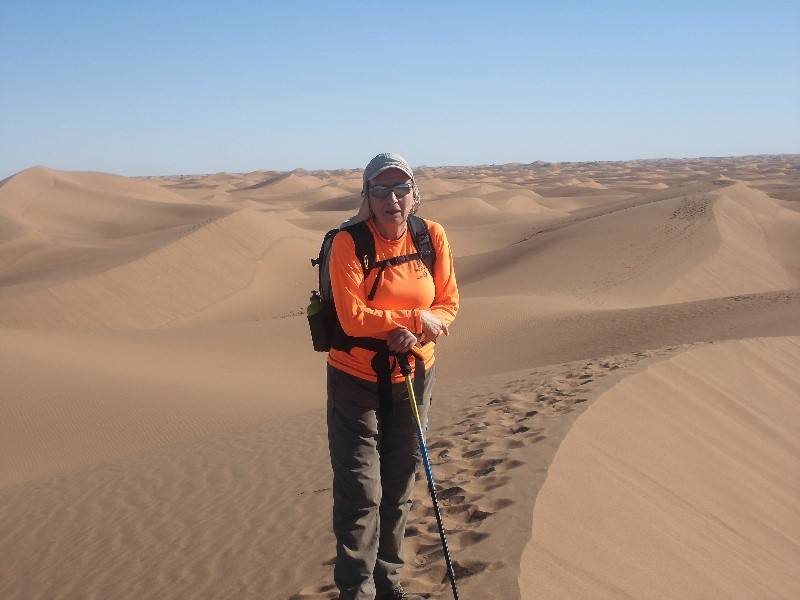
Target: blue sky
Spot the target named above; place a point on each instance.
(195, 87)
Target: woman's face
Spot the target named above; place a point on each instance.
(391, 211)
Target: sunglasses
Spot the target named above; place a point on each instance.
(382, 191)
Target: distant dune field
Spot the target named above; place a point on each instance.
(616, 413)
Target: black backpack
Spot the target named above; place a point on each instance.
(326, 331)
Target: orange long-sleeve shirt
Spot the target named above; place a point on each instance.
(404, 290)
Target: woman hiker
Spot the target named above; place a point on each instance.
(384, 308)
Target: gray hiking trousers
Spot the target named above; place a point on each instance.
(374, 457)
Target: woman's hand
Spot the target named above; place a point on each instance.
(401, 340)
(432, 326)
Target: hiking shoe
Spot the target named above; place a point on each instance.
(399, 593)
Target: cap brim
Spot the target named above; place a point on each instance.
(387, 167)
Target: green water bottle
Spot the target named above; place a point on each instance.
(314, 304)
(319, 324)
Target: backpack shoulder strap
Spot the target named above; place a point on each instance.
(365, 249)
(365, 245)
(324, 247)
(322, 262)
(423, 242)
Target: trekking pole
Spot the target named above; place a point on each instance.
(405, 369)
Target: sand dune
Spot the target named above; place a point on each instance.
(312, 196)
(521, 204)
(585, 182)
(162, 416)
(16, 241)
(46, 192)
(74, 398)
(520, 201)
(285, 184)
(433, 186)
(88, 206)
(479, 189)
(759, 248)
(678, 249)
(465, 209)
(25, 185)
(341, 202)
(56, 225)
(679, 482)
(204, 266)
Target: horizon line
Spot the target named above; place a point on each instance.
(537, 162)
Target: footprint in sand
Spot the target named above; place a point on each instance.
(499, 504)
(466, 569)
(319, 592)
(493, 482)
(510, 444)
(469, 538)
(472, 457)
(510, 464)
(441, 443)
(487, 466)
(477, 515)
(473, 453)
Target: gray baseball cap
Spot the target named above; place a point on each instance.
(384, 161)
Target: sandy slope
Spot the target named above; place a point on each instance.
(55, 226)
(73, 398)
(208, 263)
(680, 247)
(680, 482)
(161, 421)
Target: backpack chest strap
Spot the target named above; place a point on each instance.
(389, 262)
(365, 249)
(396, 260)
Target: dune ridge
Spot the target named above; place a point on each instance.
(692, 248)
(677, 482)
(162, 286)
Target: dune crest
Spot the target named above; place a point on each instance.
(209, 263)
(678, 248)
(678, 482)
(758, 245)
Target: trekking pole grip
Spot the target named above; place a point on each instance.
(405, 366)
